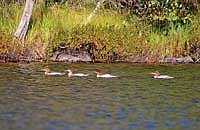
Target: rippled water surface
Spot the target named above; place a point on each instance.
(29, 100)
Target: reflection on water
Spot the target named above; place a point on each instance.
(29, 100)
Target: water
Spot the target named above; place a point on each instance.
(29, 100)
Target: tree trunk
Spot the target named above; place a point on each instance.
(23, 26)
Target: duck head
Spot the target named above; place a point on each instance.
(98, 72)
(155, 73)
(46, 70)
(69, 72)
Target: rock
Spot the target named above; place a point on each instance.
(13, 59)
(187, 59)
(168, 60)
(55, 55)
(138, 59)
(71, 55)
(3, 58)
(182, 60)
(197, 56)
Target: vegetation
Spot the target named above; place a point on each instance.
(156, 29)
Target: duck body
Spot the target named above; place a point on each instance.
(100, 75)
(157, 75)
(105, 76)
(163, 77)
(54, 73)
(70, 74)
(48, 72)
(78, 75)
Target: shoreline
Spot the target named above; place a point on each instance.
(110, 37)
(133, 60)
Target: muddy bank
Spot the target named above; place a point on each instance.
(74, 56)
(5, 58)
(85, 55)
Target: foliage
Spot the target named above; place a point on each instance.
(105, 42)
(109, 35)
(9, 46)
(192, 45)
(163, 14)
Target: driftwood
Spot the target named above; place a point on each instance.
(25, 20)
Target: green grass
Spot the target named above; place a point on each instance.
(112, 34)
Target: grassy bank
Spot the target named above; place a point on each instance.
(111, 35)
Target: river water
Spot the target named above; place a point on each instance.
(30, 100)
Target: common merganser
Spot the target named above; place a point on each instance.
(158, 76)
(47, 71)
(70, 74)
(100, 75)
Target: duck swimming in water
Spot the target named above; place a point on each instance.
(70, 74)
(47, 71)
(100, 75)
(158, 76)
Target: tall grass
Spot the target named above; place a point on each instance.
(10, 17)
(111, 34)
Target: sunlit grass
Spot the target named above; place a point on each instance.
(111, 32)
(10, 17)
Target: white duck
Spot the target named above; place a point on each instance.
(47, 71)
(70, 74)
(100, 75)
(158, 76)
